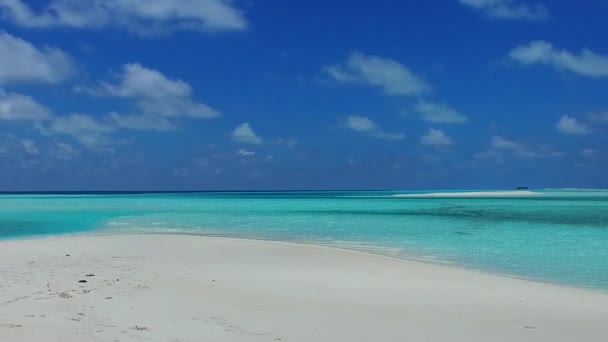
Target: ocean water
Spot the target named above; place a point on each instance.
(560, 236)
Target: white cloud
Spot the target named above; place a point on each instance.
(63, 151)
(289, 142)
(145, 18)
(388, 136)
(393, 77)
(85, 129)
(15, 106)
(141, 122)
(570, 125)
(79, 123)
(503, 143)
(550, 153)
(589, 152)
(245, 153)
(508, 9)
(586, 63)
(364, 125)
(20, 61)
(439, 113)
(500, 145)
(436, 137)
(601, 117)
(136, 81)
(158, 99)
(155, 94)
(519, 149)
(29, 146)
(360, 123)
(494, 154)
(245, 134)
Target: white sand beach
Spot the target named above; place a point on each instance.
(173, 288)
(508, 193)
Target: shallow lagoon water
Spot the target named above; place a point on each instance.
(559, 236)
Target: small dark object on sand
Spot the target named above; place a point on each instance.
(89, 275)
(82, 281)
(67, 255)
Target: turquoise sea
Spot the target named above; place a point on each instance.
(560, 236)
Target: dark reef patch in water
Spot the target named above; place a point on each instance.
(588, 217)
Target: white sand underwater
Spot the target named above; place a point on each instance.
(514, 193)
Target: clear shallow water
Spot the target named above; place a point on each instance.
(560, 236)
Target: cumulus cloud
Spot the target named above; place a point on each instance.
(63, 151)
(245, 153)
(436, 137)
(145, 18)
(79, 123)
(519, 149)
(387, 135)
(20, 61)
(599, 117)
(360, 123)
(589, 152)
(137, 81)
(439, 113)
(288, 142)
(15, 106)
(364, 125)
(393, 77)
(570, 125)
(141, 122)
(158, 100)
(492, 154)
(244, 134)
(29, 146)
(586, 63)
(85, 129)
(500, 142)
(501, 147)
(154, 93)
(508, 9)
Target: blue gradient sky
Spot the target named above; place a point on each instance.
(214, 94)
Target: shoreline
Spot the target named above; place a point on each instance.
(161, 287)
(313, 244)
(347, 248)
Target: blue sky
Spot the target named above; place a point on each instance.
(218, 94)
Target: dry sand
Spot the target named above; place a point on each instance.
(185, 288)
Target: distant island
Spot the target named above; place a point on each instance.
(522, 188)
